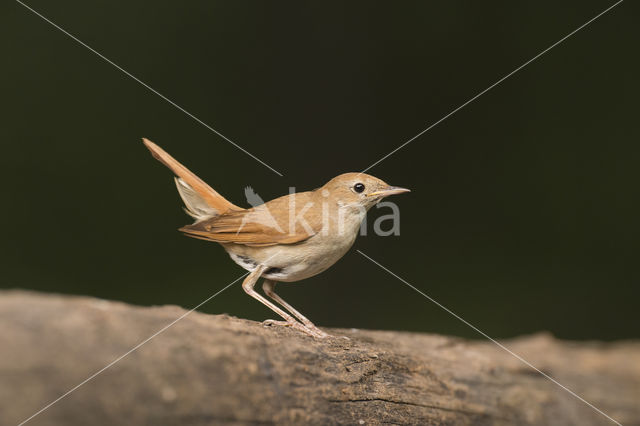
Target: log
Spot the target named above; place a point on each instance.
(217, 369)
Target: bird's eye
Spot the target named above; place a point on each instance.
(358, 187)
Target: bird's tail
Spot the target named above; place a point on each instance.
(201, 201)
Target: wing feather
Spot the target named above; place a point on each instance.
(268, 224)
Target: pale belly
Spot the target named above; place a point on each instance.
(293, 262)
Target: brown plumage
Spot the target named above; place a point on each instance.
(287, 239)
(233, 224)
(259, 226)
(213, 199)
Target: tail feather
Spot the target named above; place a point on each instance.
(194, 205)
(200, 199)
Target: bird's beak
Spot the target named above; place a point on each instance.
(390, 190)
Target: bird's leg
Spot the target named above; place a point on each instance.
(248, 284)
(269, 288)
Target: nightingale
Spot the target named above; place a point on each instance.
(287, 239)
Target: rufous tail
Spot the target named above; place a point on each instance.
(203, 191)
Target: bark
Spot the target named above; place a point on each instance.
(216, 369)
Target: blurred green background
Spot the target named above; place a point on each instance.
(524, 210)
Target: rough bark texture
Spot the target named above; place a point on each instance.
(215, 369)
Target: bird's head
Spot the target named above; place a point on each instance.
(359, 189)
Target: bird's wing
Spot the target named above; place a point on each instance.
(279, 221)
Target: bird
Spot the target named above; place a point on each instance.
(287, 239)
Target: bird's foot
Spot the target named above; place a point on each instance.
(311, 331)
(321, 334)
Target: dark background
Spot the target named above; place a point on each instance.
(524, 210)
